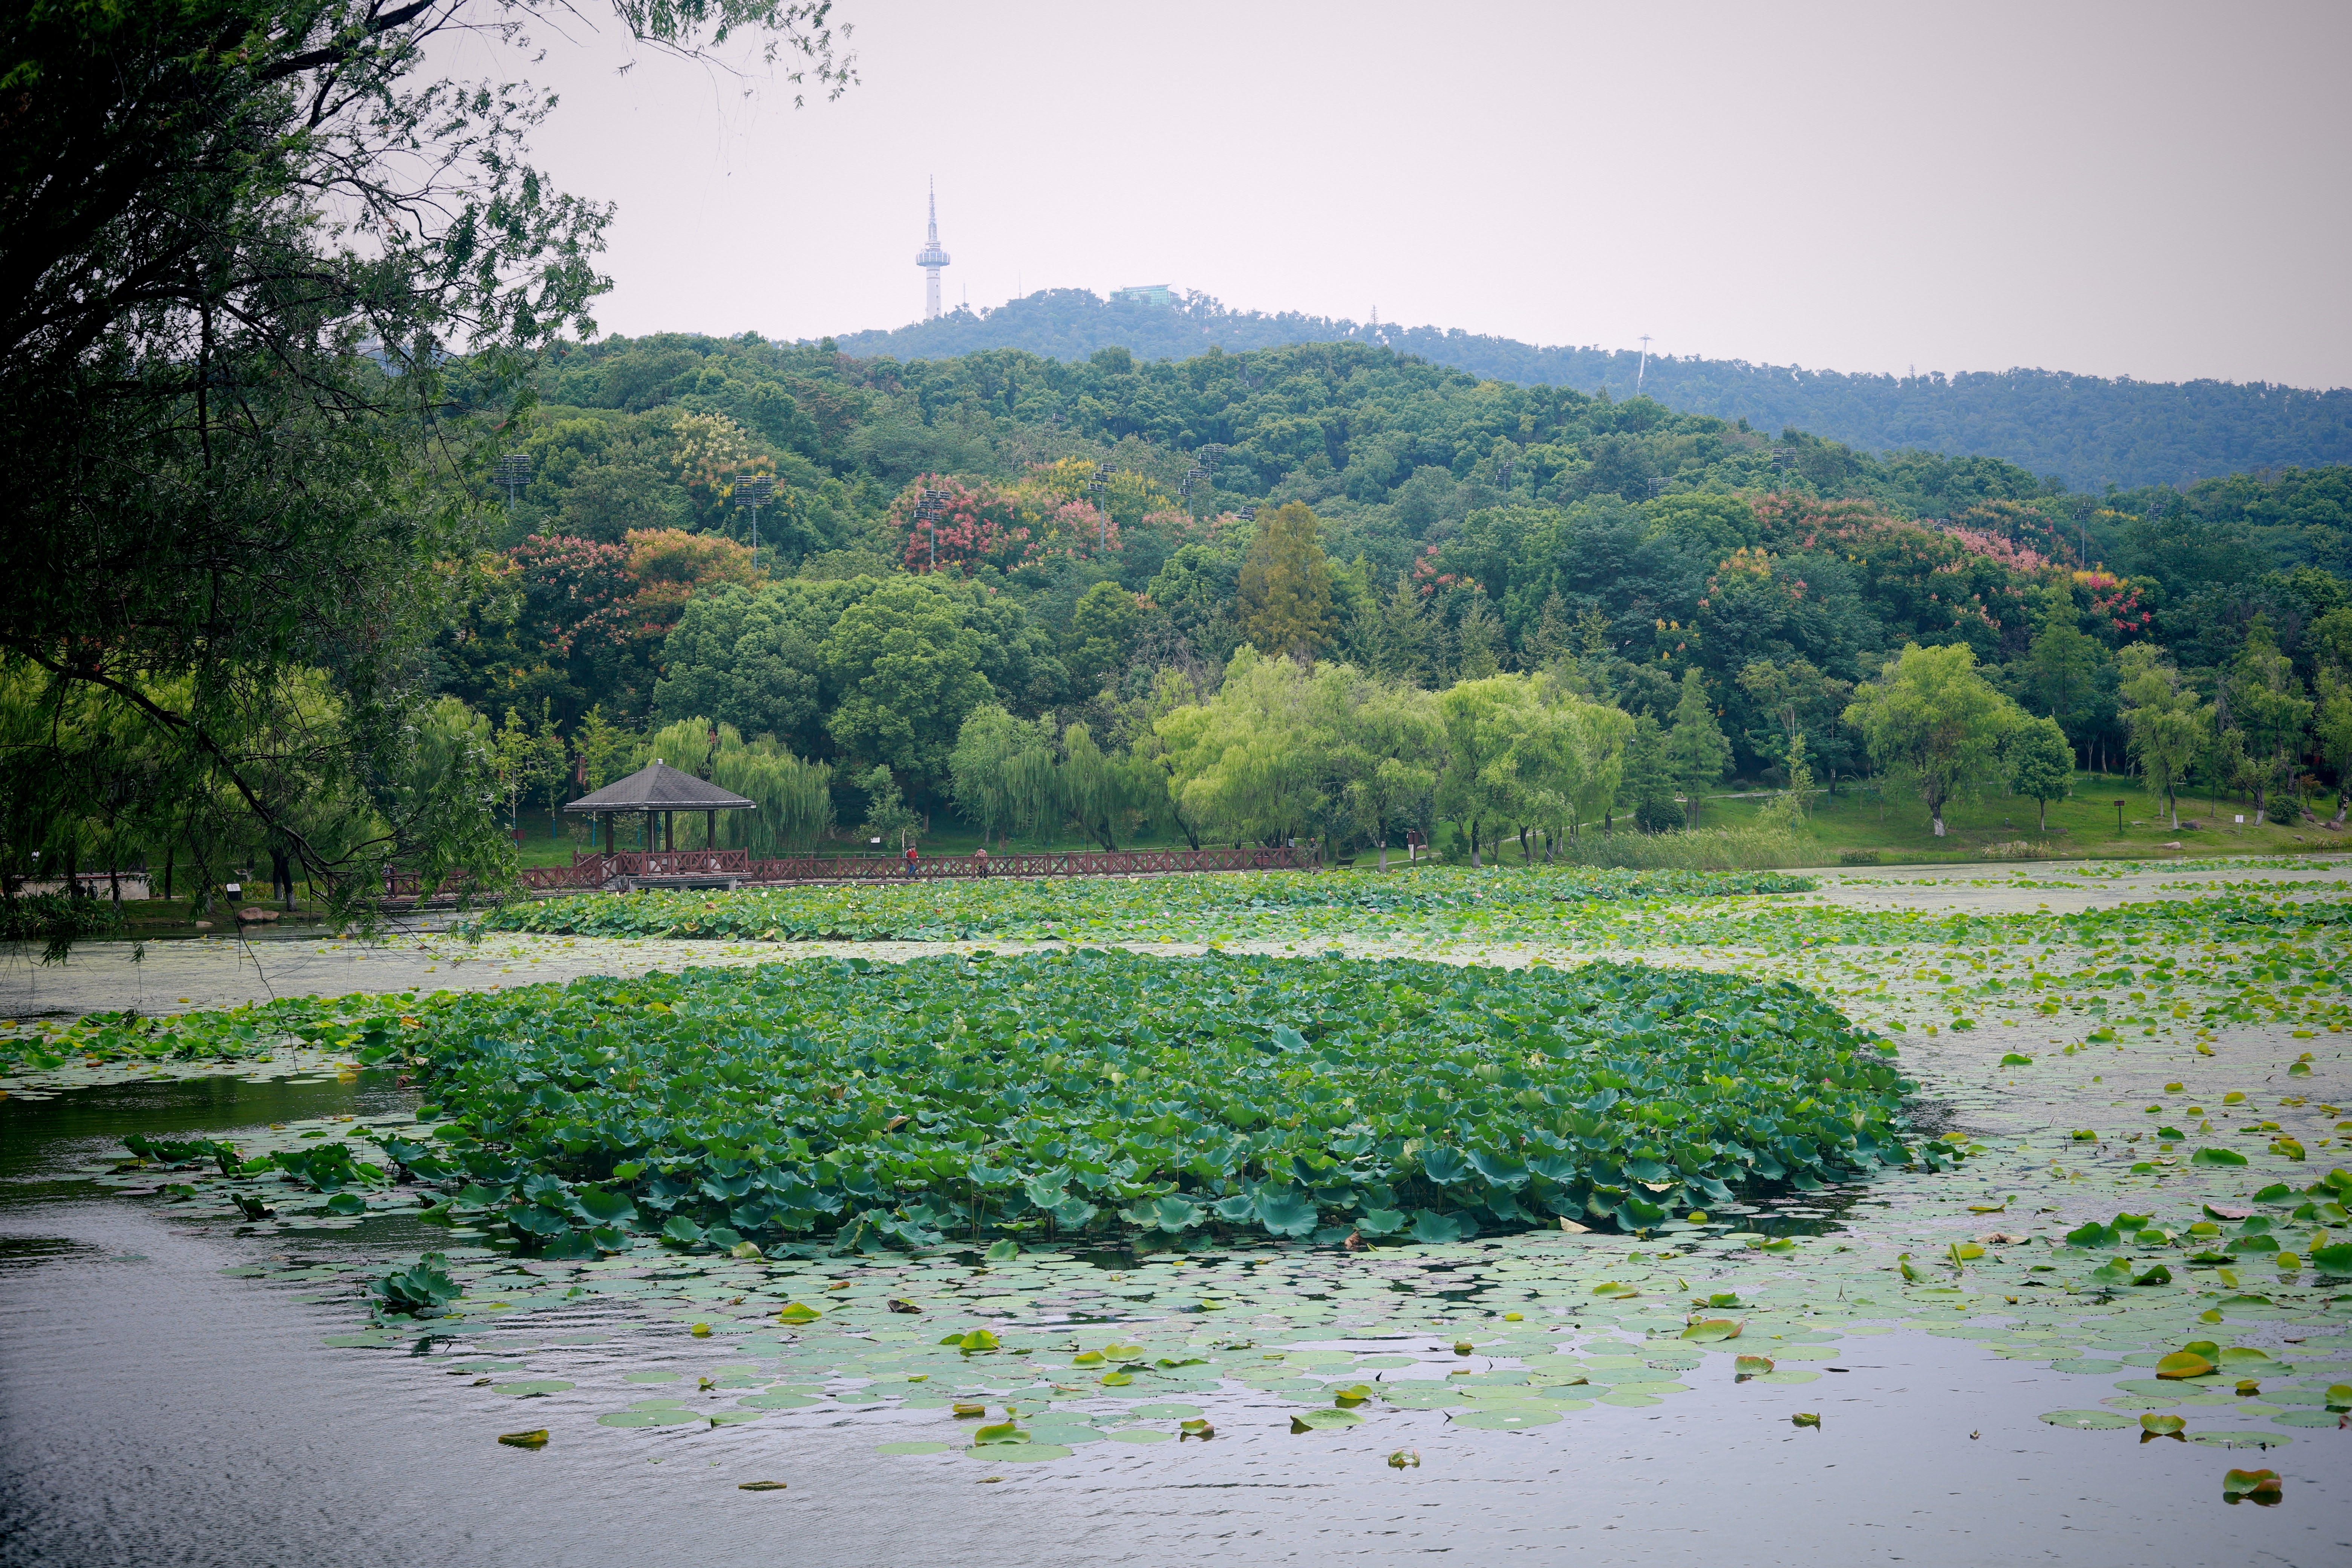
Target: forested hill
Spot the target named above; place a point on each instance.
(1091, 521)
(2087, 430)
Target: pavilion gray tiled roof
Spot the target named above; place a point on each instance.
(660, 788)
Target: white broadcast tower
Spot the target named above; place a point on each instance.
(930, 260)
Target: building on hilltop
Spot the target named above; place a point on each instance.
(931, 258)
(1144, 294)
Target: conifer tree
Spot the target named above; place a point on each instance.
(1649, 783)
(1478, 641)
(1695, 746)
(1285, 584)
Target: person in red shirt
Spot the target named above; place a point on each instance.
(911, 859)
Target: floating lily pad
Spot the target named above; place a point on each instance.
(2087, 1420)
(1507, 1420)
(1323, 1419)
(1164, 1412)
(533, 1387)
(2239, 1440)
(777, 1401)
(1017, 1453)
(2315, 1418)
(1407, 1396)
(1138, 1435)
(650, 1376)
(895, 1449)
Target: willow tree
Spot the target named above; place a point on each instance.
(1002, 774)
(793, 795)
(256, 251)
(1248, 763)
(1931, 720)
(2270, 710)
(1394, 756)
(1497, 747)
(2165, 725)
(1102, 790)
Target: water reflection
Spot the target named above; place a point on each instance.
(161, 1412)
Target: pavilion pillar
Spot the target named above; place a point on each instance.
(669, 831)
(710, 830)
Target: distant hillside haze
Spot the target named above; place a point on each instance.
(2089, 431)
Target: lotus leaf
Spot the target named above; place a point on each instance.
(2258, 1486)
(2087, 1420)
(1322, 1420)
(1193, 1102)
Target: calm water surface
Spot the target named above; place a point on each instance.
(153, 1411)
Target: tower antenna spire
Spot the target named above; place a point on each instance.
(1643, 368)
(931, 258)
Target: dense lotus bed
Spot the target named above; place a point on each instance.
(1170, 907)
(1100, 1091)
(2160, 1260)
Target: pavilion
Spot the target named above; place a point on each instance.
(661, 790)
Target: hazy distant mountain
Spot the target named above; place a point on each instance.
(2088, 430)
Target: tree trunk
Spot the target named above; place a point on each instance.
(171, 857)
(1937, 812)
(2045, 815)
(1473, 846)
(1384, 857)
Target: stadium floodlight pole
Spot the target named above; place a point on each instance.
(753, 491)
(510, 473)
(1102, 523)
(926, 512)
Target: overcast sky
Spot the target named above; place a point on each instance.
(2152, 190)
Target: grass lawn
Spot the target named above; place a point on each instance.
(1856, 817)
(1896, 825)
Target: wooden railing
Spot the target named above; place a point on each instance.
(588, 872)
(1078, 863)
(598, 870)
